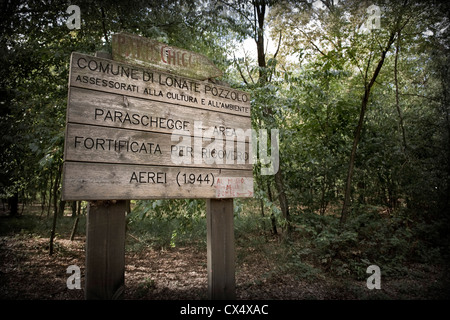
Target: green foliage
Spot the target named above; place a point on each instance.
(168, 223)
(145, 287)
(391, 241)
(31, 226)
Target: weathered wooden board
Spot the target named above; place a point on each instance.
(134, 133)
(86, 143)
(94, 181)
(157, 55)
(119, 111)
(111, 76)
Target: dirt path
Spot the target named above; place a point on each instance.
(27, 272)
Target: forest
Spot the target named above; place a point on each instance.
(359, 92)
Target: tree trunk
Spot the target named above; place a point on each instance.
(260, 11)
(52, 235)
(74, 209)
(13, 204)
(55, 212)
(74, 228)
(445, 202)
(397, 93)
(357, 134)
(43, 199)
(261, 202)
(62, 206)
(283, 200)
(55, 193)
(272, 216)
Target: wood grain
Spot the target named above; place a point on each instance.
(154, 54)
(87, 143)
(121, 144)
(105, 250)
(102, 181)
(220, 249)
(115, 77)
(120, 111)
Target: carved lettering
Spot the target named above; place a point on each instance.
(108, 84)
(137, 119)
(106, 144)
(149, 177)
(226, 94)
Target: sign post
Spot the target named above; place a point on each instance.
(105, 250)
(220, 249)
(136, 131)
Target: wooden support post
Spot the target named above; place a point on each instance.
(105, 250)
(220, 249)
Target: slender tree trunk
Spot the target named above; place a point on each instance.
(272, 216)
(348, 182)
(50, 194)
(446, 110)
(43, 192)
(13, 204)
(261, 202)
(74, 228)
(260, 11)
(323, 204)
(73, 205)
(283, 200)
(397, 93)
(357, 134)
(52, 235)
(55, 212)
(447, 193)
(62, 206)
(55, 192)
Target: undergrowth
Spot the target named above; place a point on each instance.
(319, 245)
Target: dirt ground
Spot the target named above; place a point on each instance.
(27, 272)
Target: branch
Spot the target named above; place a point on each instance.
(246, 67)
(367, 70)
(383, 56)
(240, 71)
(278, 48)
(311, 42)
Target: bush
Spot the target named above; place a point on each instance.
(167, 223)
(391, 241)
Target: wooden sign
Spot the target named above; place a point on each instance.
(156, 55)
(138, 133)
(133, 81)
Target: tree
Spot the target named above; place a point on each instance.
(253, 15)
(399, 22)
